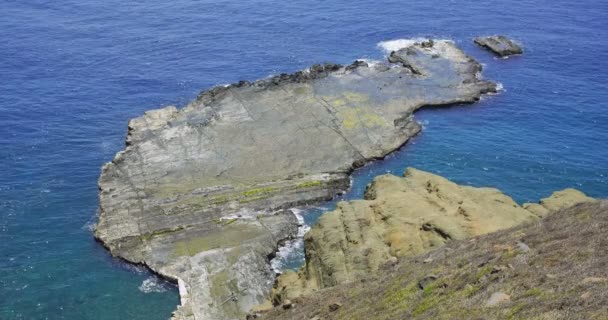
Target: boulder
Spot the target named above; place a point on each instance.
(497, 298)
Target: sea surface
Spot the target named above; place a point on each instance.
(72, 73)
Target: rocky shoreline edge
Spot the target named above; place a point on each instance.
(401, 217)
(202, 195)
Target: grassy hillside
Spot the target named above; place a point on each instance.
(556, 268)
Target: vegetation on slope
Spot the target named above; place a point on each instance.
(556, 268)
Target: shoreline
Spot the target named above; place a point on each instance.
(155, 248)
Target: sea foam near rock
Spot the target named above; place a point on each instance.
(153, 284)
(394, 45)
(289, 248)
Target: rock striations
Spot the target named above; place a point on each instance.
(404, 216)
(202, 194)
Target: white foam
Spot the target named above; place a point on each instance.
(394, 45)
(133, 267)
(371, 63)
(153, 284)
(90, 225)
(318, 208)
(499, 89)
(290, 246)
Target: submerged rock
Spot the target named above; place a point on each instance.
(400, 216)
(201, 195)
(500, 45)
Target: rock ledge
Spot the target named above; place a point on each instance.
(500, 45)
(202, 194)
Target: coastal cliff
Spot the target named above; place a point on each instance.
(552, 268)
(202, 194)
(401, 217)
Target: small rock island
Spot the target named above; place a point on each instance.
(500, 45)
(202, 195)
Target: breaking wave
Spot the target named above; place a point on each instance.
(394, 45)
(291, 247)
(154, 284)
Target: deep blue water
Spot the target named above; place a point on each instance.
(73, 72)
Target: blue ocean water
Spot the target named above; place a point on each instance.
(73, 72)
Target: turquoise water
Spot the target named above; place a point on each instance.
(73, 72)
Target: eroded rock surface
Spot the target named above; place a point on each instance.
(202, 194)
(562, 275)
(500, 45)
(403, 216)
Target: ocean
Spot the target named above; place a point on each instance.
(72, 73)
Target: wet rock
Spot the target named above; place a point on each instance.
(500, 45)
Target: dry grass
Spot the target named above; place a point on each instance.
(550, 281)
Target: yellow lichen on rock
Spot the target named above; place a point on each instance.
(359, 116)
(558, 200)
(402, 216)
(355, 111)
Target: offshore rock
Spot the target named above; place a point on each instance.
(399, 217)
(202, 194)
(500, 45)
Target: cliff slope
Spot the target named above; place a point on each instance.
(404, 216)
(554, 268)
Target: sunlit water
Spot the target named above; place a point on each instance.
(73, 72)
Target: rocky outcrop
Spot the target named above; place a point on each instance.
(500, 45)
(202, 194)
(558, 200)
(562, 275)
(403, 216)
